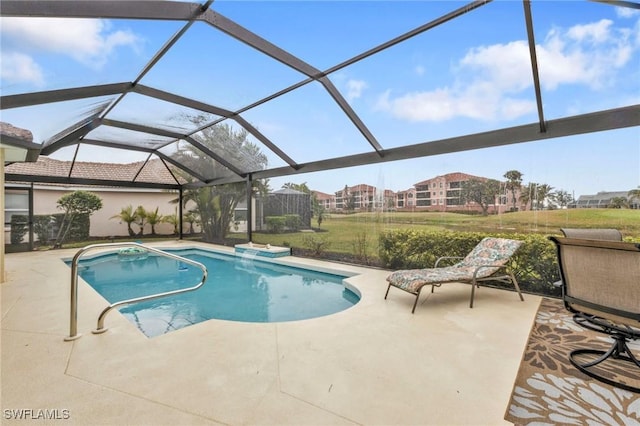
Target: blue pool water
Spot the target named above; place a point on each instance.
(237, 289)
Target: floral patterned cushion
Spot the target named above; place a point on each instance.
(490, 251)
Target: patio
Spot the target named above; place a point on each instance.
(375, 363)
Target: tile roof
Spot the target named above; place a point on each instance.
(153, 172)
(16, 132)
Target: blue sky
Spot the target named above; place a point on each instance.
(469, 75)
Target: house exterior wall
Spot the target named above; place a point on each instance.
(45, 200)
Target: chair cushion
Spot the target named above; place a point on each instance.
(491, 251)
(412, 280)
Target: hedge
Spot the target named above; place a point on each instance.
(275, 224)
(19, 228)
(534, 264)
(79, 231)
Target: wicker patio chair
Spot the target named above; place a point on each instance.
(601, 287)
(488, 261)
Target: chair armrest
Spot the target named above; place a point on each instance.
(475, 272)
(446, 257)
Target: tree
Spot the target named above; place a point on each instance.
(634, 198)
(173, 220)
(141, 218)
(528, 195)
(191, 217)
(562, 198)
(302, 187)
(537, 194)
(618, 203)
(128, 216)
(348, 200)
(514, 182)
(154, 218)
(543, 192)
(74, 204)
(482, 192)
(215, 205)
(318, 211)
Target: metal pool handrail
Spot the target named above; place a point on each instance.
(73, 321)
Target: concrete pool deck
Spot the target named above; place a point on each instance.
(373, 364)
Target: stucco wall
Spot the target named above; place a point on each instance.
(113, 200)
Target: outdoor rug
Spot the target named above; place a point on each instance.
(549, 390)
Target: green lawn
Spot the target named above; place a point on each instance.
(349, 233)
(358, 233)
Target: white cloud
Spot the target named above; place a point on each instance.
(88, 41)
(595, 33)
(584, 54)
(19, 68)
(501, 78)
(626, 12)
(355, 88)
(419, 70)
(505, 66)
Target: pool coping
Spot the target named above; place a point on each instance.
(349, 271)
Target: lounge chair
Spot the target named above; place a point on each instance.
(485, 262)
(601, 287)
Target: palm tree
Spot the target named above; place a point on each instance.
(128, 216)
(216, 204)
(528, 195)
(141, 217)
(543, 192)
(173, 220)
(514, 182)
(191, 217)
(153, 218)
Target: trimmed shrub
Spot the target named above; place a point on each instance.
(42, 227)
(292, 222)
(19, 228)
(80, 227)
(275, 224)
(317, 246)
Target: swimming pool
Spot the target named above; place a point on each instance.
(237, 289)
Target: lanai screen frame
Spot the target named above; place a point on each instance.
(189, 13)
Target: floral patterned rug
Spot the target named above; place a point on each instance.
(549, 391)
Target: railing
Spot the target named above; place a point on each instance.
(73, 321)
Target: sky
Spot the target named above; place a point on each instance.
(469, 75)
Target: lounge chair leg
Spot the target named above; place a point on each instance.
(473, 290)
(515, 284)
(416, 302)
(387, 293)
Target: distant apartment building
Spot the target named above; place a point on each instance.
(441, 193)
(444, 193)
(363, 197)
